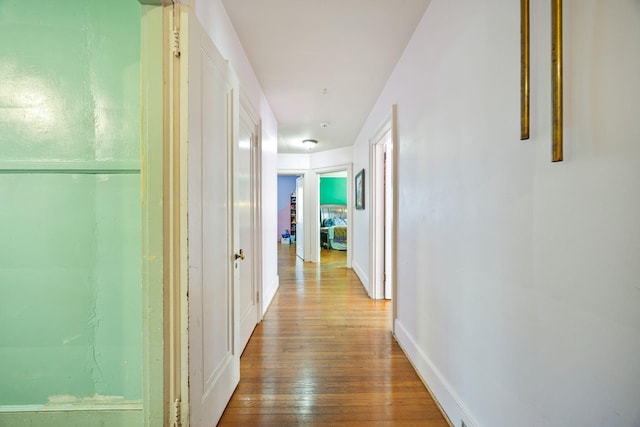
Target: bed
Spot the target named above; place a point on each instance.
(333, 227)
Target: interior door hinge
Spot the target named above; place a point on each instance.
(175, 45)
(177, 413)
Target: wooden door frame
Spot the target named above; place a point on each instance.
(152, 71)
(376, 253)
(164, 231)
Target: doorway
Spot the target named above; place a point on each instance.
(332, 190)
(384, 211)
(288, 228)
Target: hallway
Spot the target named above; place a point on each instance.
(323, 355)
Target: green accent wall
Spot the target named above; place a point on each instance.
(70, 264)
(333, 191)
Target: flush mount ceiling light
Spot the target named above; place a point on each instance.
(309, 143)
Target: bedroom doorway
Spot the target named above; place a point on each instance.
(333, 224)
(288, 229)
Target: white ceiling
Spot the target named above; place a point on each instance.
(298, 48)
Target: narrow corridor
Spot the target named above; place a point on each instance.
(324, 355)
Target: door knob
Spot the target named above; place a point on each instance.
(240, 255)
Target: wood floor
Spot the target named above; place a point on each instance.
(324, 355)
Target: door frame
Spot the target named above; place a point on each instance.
(157, 137)
(376, 225)
(348, 168)
(251, 119)
(305, 174)
(301, 250)
(164, 217)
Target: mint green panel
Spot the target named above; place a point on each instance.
(70, 80)
(117, 363)
(70, 267)
(70, 308)
(45, 283)
(333, 191)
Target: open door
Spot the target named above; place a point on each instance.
(384, 211)
(300, 217)
(214, 258)
(245, 196)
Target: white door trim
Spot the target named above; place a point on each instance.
(301, 240)
(376, 223)
(256, 180)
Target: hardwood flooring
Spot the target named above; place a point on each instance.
(324, 355)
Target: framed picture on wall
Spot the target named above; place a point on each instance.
(360, 190)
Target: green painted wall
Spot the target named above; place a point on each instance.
(70, 268)
(333, 190)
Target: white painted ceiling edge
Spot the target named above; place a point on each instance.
(323, 62)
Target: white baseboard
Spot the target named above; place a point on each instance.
(269, 292)
(433, 379)
(362, 275)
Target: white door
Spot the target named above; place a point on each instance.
(244, 206)
(300, 217)
(388, 218)
(214, 356)
(382, 220)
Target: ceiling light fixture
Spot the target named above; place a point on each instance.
(309, 143)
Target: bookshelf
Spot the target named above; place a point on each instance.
(292, 229)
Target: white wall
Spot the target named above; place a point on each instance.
(293, 162)
(518, 280)
(215, 21)
(269, 205)
(331, 158)
(360, 223)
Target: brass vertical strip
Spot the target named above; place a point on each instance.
(182, 285)
(524, 69)
(176, 218)
(556, 78)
